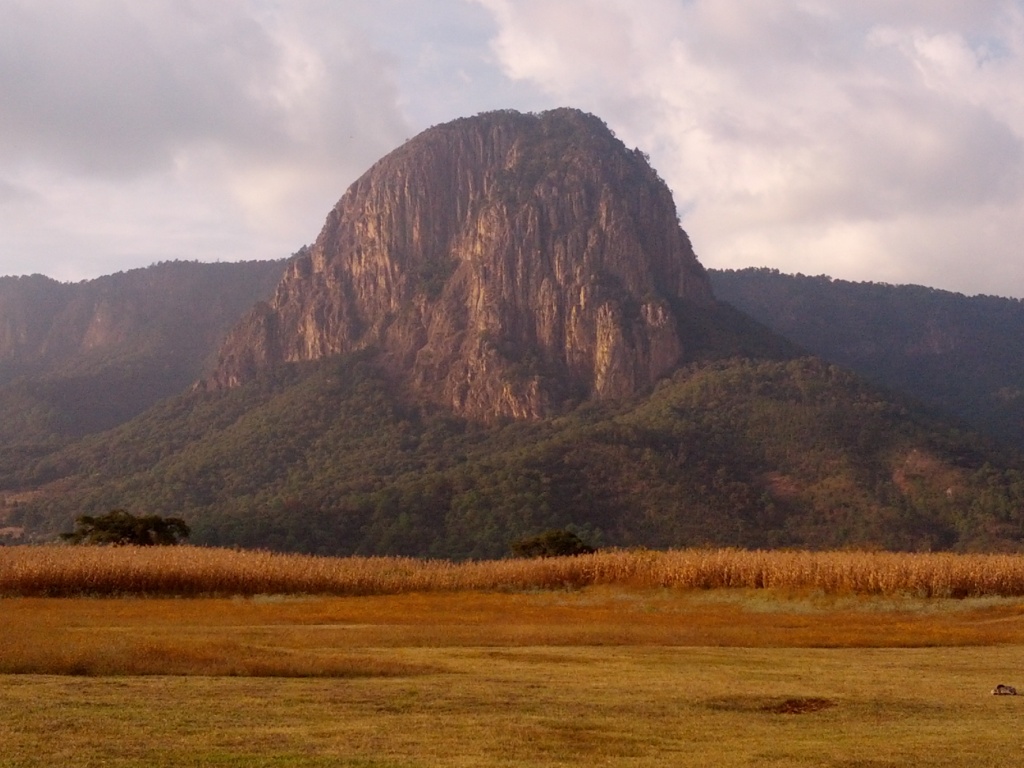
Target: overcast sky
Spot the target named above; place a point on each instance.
(871, 140)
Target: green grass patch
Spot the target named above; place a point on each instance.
(623, 706)
(601, 676)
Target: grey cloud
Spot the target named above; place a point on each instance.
(183, 129)
(909, 158)
(118, 88)
(12, 192)
(113, 88)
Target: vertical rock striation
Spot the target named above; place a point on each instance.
(502, 265)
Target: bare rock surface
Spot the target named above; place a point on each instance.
(503, 265)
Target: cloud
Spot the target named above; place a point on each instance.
(163, 118)
(120, 88)
(11, 192)
(869, 140)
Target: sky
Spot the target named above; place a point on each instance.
(871, 140)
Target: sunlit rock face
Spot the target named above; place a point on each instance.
(504, 265)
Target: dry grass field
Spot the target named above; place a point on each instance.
(562, 673)
(60, 571)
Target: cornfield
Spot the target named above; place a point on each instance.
(61, 571)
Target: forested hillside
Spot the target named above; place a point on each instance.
(961, 354)
(77, 358)
(326, 458)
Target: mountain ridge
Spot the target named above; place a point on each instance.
(961, 354)
(86, 356)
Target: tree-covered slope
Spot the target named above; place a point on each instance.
(964, 355)
(78, 358)
(327, 458)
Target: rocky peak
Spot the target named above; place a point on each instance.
(502, 265)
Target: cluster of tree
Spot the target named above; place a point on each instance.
(556, 543)
(120, 527)
(326, 458)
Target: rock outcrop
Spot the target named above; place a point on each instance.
(502, 265)
(175, 310)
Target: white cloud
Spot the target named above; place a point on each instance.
(865, 140)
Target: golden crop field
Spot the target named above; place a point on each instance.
(186, 571)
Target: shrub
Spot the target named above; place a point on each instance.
(557, 543)
(119, 527)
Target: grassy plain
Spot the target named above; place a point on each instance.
(602, 675)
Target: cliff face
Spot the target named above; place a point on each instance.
(502, 265)
(174, 309)
(28, 306)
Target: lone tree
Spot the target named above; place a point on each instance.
(557, 543)
(119, 527)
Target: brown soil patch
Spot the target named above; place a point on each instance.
(799, 706)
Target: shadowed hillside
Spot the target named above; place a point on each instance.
(330, 459)
(963, 355)
(82, 357)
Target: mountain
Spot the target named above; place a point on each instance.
(502, 329)
(958, 354)
(78, 358)
(502, 266)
